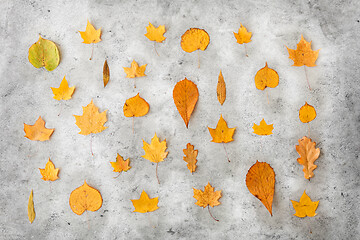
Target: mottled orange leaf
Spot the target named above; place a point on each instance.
(31, 209)
(190, 157)
(90, 35)
(222, 134)
(49, 173)
(207, 198)
(303, 55)
(243, 36)
(194, 39)
(135, 107)
(263, 128)
(85, 198)
(91, 121)
(305, 207)
(106, 73)
(308, 154)
(64, 92)
(145, 204)
(155, 34)
(135, 71)
(266, 77)
(221, 89)
(38, 131)
(307, 113)
(121, 164)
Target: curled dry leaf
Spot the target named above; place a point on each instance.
(194, 39)
(44, 53)
(308, 155)
(106, 73)
(121, 164)
(31, 209)
(49, 173)
(260, 180)
(222, 134)
(145, 204)
(266, 77)
(243, 36)
(38, 131)
(91, 121)
(190, 157)
(90, 35)
(305, 207)
(64, 92)
(307, 113)
(303, 55)
(135, 107)
(221, 89)
(263, 128)
(135, 71)
(85, 198)
(155, 34)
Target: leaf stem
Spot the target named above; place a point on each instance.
(227, 156)
(133, 125)
(246, 54)
(60, 108)
(308, 129)
(212, 215)
(91, 150)
(117, 175)
(155, 49)
(307, 79)
(157, 164)
(92, 51)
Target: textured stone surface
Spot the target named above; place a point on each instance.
(25, 95)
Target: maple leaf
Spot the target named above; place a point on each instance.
(106, 73)
(263, 128)
(49, 173)
(222, 134)
(260, 180)
(44, 53)
(90, 35)
(31, 209)
(145, 204)
(64, 92)
(308, 155)
(207, 198)
(194, 39)
(155, 34)
(266, 77)
(303, 55)
(190, 157)
(185, 95)
(221, 89)
(38, 131)
(85, 198)
(135, 70)
(91, 121)
(305, 207)
(135, 107)
(307, 113)
(121, 164)
(243, 36)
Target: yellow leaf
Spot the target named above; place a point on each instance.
(44, 53)
(49, 173)
(207, 197)
(190, 157)
(307, 113)
(136, 107)
(85, 198)
(221, 89)
(38, 131)
(222, 133)
(303, 55)
(263, 128)
(31, 210)
(308, 155)
(64, 92)
(194, 39)
(91, 121)
(155, 151)
(266, 77)
(106, 73)
(135, 70)
(145, 204)
(155, 34)
(243, 36)
(90, 35)
(185, 95)
(121, 164)
(305, 207)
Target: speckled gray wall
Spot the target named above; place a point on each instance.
(333, 26)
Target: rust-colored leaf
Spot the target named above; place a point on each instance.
(120, 164)
(190, 157)
(308, 155)
(106, 73)
(221, 89)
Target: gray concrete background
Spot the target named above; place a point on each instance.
(333, 26)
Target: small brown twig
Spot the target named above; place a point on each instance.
(91, 149)
(246, 54)
(117, 175)
(226, 152)
(92, 51)
(155, 49)
(212, 215)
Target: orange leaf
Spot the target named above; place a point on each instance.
(91, 121)
(106, 73)
(38, 131)
(263, 128)
(260, 180)
(49, 173)
(135, 107)
(90, 35)
(145, 204)
(243, 36)
(221, 89)
(185, 95)
(308, 154)
(121, 164)
(266, 77)
(190, 157)
(207, 197)
(155, 34)
(135, 71)
(303, 55)
(194, 39)
(64, 92)
(307, 113)
(222, 133)
(85, 198)
(305, 207)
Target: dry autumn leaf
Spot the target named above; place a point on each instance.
(135, 107)
(222, 134)
(221, 89)
(266, 77)
(135, 71)
(308, 154)
(263, 128)
(44, 53)
(145, 204)
(64, 92)
(303, 55)
(155, 34)
(49, 173)
(90, 35)
(121, 164)
(207, 198)
(260, 180)
(85, 198)
(31, 209)
(307, 113)
(194, 39)
(106, 73)
(185, 95)
(38, 131)
(305, 207)
(91, 121)
(190, 157)
(243, 36)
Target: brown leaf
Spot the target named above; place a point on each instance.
(221, 89)
(190, 157)
(106, 73)
(308, 154)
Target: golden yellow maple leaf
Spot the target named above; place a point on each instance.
(31, 209)
(307, 113)
(190, 157)
(194, 39)
(263, 128)
(49, 173)
(91, 121)
(305, 207)
(91, 35)
(106, 73)
(135, 107)
(38, 131)
(308, 155)
(64, 92)
(85, 198)
(303, 55)
(121, 164)
(44, 53)
(135, 70)
(243, 36)
(155, 34)
(266, 77)
(145, 204)
(207, 198)
(221, 89)
(222, 133)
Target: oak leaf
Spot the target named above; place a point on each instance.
(155, 34)
(121, 164)
(263, 128)
(31, 209)
(266, 77)
(49, 173)
(44, 53)
(221, 89)
(207, 198)
(303, 55)
(308, 154)
(190, 157)
(145, 204)
(90, 35)
(307, 113)
(85, 198)
(135, 107)
(135, 70)
(305, 207)
(194, 39)
(91, 121)
(222, 134)
(260, 180)
(243, 36)
(38, 131)
(106, 73)
(185, 95)
(63, 92)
